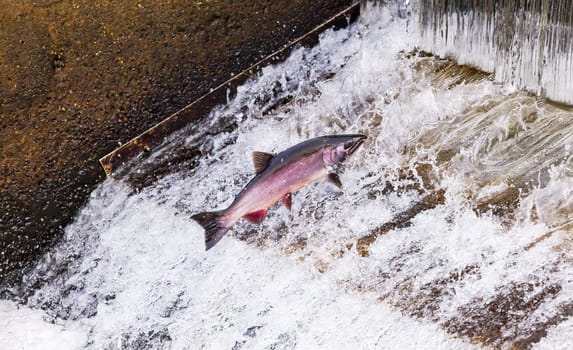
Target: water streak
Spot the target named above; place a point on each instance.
(526, 43)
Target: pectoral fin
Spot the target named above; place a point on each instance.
(256, 217)
(333, 178)
(287, 200)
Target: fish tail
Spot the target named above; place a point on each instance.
(214, 226)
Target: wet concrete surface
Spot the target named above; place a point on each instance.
(78, 78)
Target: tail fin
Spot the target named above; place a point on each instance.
(214, 227)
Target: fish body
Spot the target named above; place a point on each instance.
(278, 176)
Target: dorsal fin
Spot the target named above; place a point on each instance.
(261, 160)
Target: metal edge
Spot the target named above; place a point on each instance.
(199, 108)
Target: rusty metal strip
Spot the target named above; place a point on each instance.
(198, 109)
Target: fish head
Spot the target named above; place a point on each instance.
(340, 147)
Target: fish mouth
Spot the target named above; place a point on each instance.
(355, 144)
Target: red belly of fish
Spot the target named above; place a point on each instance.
(274, 186)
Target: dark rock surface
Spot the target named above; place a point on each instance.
(79, 77)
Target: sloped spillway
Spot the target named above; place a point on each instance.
(453, 229)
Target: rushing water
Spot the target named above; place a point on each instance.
(452, 231)
(527, 43)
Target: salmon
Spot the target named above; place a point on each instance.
(277, 177)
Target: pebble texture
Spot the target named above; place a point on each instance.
(77, 78)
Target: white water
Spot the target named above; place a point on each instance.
(132, 272)
(527, 43)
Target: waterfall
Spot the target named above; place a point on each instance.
(525, 43)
